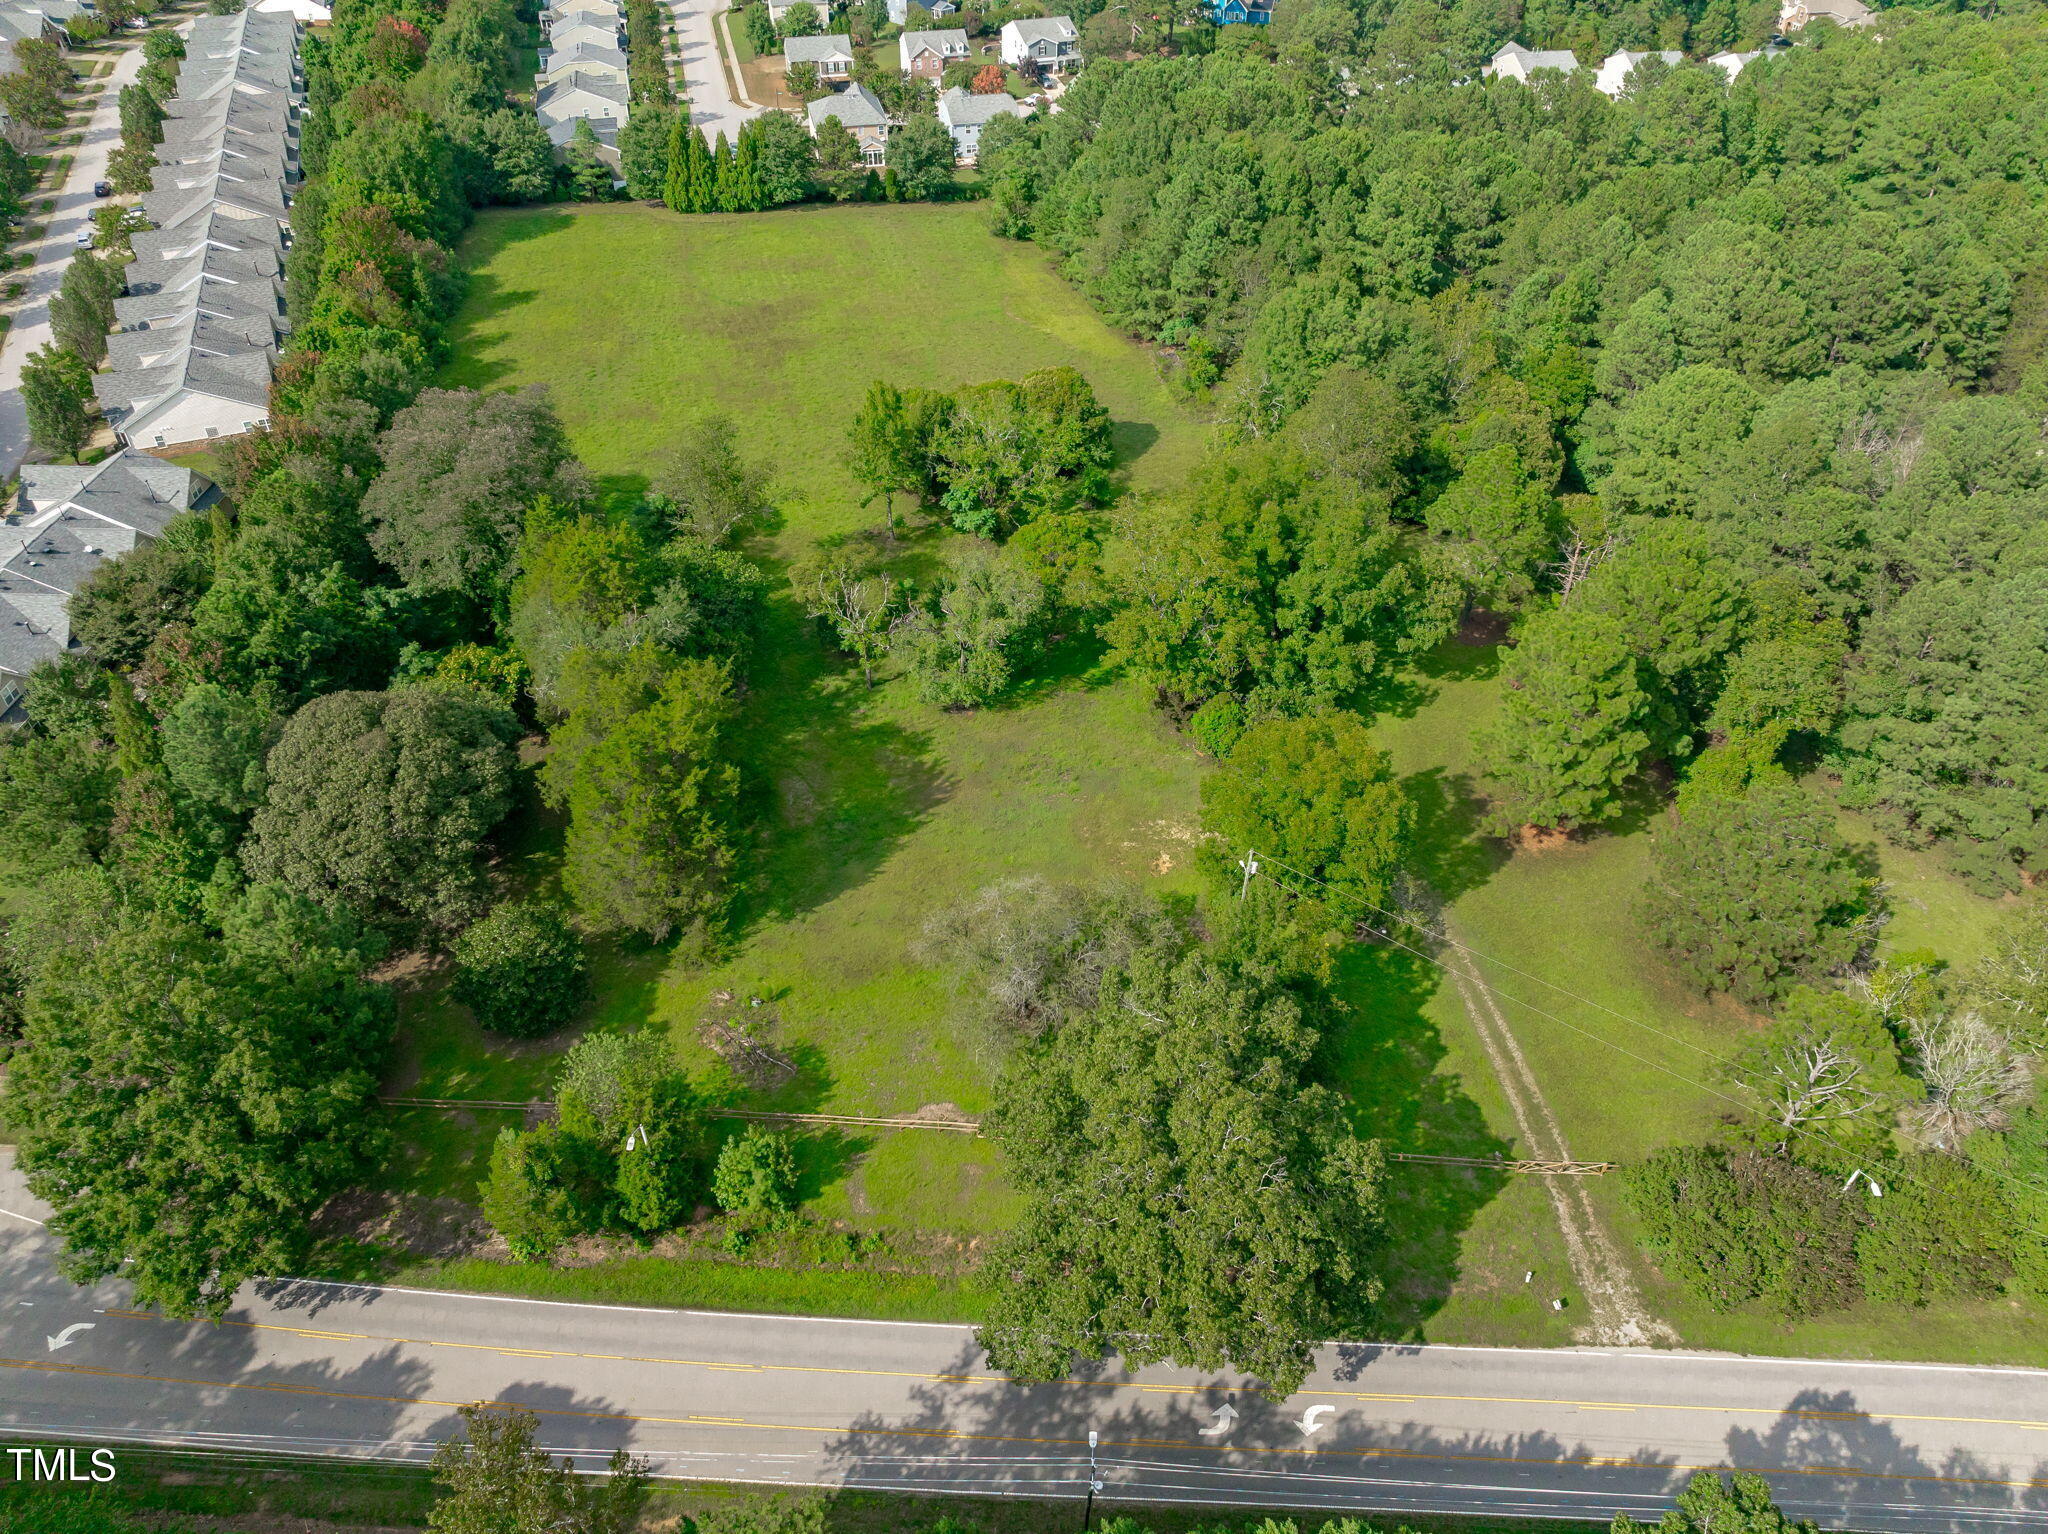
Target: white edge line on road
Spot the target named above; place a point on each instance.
(13, 1216)
(1256, 1496)
(639, 1310)
(1655, 1355)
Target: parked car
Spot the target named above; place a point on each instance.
(103, 189)
(84, 241)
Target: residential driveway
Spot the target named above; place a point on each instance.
(75, 203)
(712, 107)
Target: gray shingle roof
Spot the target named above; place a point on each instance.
(817, 50)
(559, 98)
(965, 109)
(947, 43)
(855, 107)
(67, 520)
(1536, 58)
(1044, 29)
(204, 309)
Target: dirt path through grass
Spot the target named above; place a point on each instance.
(1618, 1315)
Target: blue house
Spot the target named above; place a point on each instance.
(1224, 12)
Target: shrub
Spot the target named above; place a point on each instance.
(1942, 1231)
(545, 1187)
(1744, 1227)
(660, 1180)
(756, 1174)
(521, 970)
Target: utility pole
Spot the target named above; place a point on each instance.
(1094, 1485)
(1250, 864)
(1875, 1190)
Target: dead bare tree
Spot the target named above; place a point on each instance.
(1973, 1075)
(1808, 1078)
(1897, 992)
(1578, 559)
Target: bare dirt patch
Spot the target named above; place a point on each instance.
(425, 1227)
(1540, 839)
(1482, 628)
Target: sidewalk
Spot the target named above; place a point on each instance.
(74, 205)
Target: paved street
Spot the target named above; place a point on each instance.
(712, 107)
(363, 1371)
(75, 202)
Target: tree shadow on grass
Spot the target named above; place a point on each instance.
(826, 1158)
(1450, 855)
(1074, 662)
(833, 785)
(1405, 693)
(1389, 1057)
(1132, 441)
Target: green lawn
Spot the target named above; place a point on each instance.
(875, 810)
(642, 320)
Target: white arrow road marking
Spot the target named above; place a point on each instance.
(63, 1338)
(1313, 1419)
(1226, 1414)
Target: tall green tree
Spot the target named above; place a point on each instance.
(1316, 795)
(1254, 584)
(971, 632)
(1709, 1505)
(56, 389)
(187, 1101)
(382, 801)
(921, 155)
(589, 176)
(645, 143)
(784, 158)
(460, 470)
(1574, 724)
(497, 1482)
(1751, 893)
(641, 764)
(1499, 524)
(82, 312)
(1188, 1193)
(721, 191)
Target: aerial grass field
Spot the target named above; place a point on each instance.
(875, 811)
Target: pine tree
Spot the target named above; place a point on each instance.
(721, 187)
(148, 836)
(748, 194)
(675, 191)
(697, 174)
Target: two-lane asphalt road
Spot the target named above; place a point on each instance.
(317, 1368)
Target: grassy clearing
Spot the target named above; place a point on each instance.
(1629, 1059)
(875, 810)
(708, 1285)
(642, 319)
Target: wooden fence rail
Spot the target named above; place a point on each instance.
(973, 1127)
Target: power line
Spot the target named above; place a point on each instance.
(1820, 1136)
(1429, 958)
